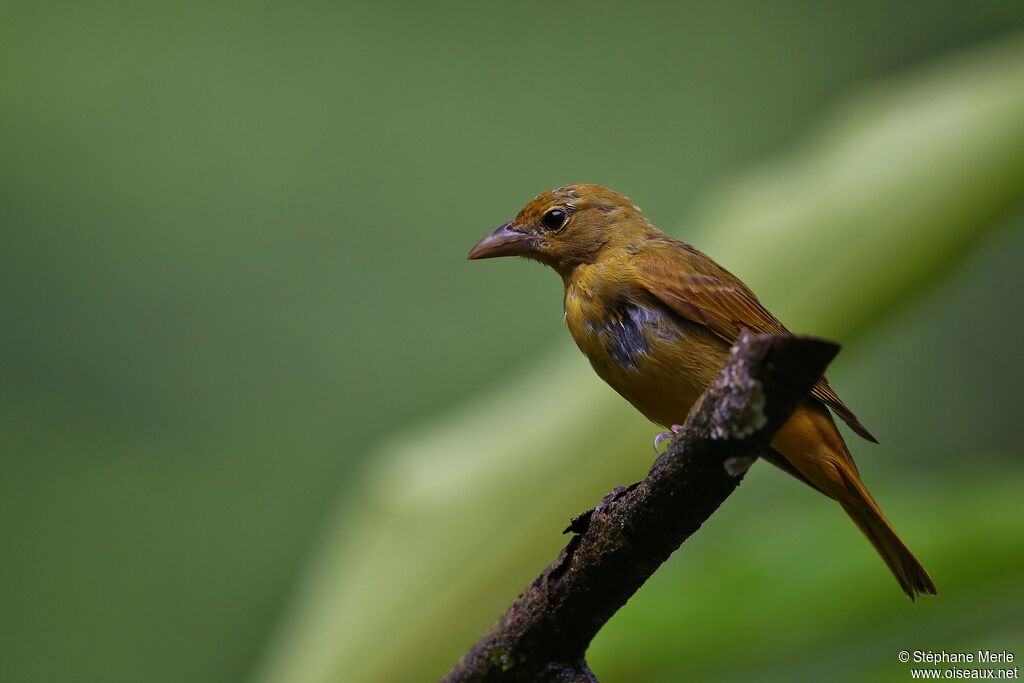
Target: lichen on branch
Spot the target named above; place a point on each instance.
(618, 545)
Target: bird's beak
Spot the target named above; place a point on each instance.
(502, 242)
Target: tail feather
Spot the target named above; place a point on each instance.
(811, 448)
(864, 511)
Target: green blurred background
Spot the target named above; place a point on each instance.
(232, 276)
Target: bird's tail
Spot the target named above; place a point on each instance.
(814, 451)
(864, 511)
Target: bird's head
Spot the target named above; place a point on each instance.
(567, 227)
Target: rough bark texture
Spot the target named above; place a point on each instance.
(544, 634)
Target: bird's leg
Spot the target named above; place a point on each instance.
(662, 436)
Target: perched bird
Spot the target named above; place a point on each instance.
(656, 318)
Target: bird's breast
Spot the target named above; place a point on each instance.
(657, 362)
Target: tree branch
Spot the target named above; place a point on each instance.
(618, 545)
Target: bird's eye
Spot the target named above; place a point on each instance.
(553, 219)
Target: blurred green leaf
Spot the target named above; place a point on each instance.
(453, 517)
(802, 606)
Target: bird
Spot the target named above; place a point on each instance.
(656, 319)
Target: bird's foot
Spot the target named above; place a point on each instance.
(663, 436)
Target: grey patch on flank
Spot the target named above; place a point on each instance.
(625, 338)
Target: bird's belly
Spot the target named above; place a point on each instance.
(660, 367)
(663, 396)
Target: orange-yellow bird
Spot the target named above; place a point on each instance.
(656, 318)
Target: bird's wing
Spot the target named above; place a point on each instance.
(699, 290)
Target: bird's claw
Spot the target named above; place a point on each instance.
(663, 436)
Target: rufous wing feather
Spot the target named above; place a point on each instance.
(697, 289)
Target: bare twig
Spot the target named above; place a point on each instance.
(544, 634)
